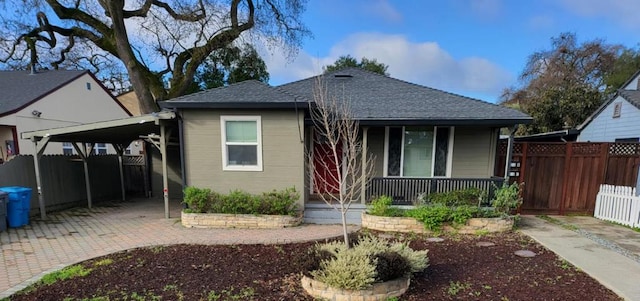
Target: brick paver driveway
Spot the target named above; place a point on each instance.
(79, 234)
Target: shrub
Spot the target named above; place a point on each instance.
(360, 266)
(381, 206)
(469, 196)
(276, 202)
(391, 265)
(432, 216)
(197, 199)
(507, 198)
(281, 202)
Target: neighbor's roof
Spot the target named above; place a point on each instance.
(250, 94)
(376, 98)
(19, 89)
(632, 96)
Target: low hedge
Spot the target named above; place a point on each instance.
(276, 202)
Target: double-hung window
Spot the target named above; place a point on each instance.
(241, 143)
(418, 151)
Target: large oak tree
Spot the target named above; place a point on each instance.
(159, 45)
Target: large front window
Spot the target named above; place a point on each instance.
(417, 151)
(241, 143)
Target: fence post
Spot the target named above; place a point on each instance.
(565, 175)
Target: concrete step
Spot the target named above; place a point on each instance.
(324, 214)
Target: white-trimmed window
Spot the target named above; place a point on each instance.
(418, 151)
(100, 149)
(241, 143)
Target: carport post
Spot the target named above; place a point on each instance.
(120, 151)
(84, 153)
(36, 163)
(165, 180)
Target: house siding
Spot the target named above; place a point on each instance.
(605, 128)
(282, 152)
(72, 104)
(472, 152)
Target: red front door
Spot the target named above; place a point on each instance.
(325, 176)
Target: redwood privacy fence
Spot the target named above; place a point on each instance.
(618, 204)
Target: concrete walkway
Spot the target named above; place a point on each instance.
(608, 253)
(68, 237)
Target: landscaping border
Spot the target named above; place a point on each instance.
(409, 224)
(378, 292)
(246, 221)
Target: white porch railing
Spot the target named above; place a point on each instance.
(618, 204)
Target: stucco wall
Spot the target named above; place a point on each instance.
(282, 152)
(72, 104)
(473, 152)
(605, 128)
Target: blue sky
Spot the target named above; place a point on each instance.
(470, 47)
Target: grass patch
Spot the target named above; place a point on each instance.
(69, 272)
(103, 262)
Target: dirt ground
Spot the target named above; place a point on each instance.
(460, 269)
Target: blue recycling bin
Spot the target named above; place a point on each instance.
(18, 206)
(4, 198)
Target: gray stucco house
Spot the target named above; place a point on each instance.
(253, 136)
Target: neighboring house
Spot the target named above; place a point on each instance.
(618, 119)
(254, 137)
(51, 99)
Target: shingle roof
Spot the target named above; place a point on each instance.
(375, 97)
(632, 96)
(20, 88)
(246, 94)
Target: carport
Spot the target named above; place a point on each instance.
(154, 128)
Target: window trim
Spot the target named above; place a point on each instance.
(224, 143)
(385, 168)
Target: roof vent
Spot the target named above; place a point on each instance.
(343, 76)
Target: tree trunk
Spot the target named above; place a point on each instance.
(343, 212)
(139, 81)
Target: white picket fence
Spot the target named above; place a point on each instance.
(618, 204)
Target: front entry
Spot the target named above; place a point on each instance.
(325, 175)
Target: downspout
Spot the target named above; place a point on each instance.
(183, 166)
(507, 163)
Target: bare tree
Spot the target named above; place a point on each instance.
(159, 44)
(337, 167)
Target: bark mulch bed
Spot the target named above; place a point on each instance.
(459, 269)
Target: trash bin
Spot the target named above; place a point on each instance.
(4, 197)
(19, 205)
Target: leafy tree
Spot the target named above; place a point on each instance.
(230, 65)
(562, 86)
(346, 61)
(624, 67)
(151, 41)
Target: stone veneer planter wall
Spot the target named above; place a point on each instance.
(218, 220)
(378, 292)
(408, 224)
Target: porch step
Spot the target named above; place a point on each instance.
(324, 214)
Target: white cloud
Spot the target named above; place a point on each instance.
(624, 12)
(424, 63)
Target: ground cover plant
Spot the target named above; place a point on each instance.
(459, 269)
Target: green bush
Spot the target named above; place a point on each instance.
(435, 216)
(358, 267)
(469, 196)
(276, 202)
(507, 198)
(381, 206)
(197, 199)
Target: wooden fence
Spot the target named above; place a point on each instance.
(63, 181)
(564, 178)
(618, 204)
